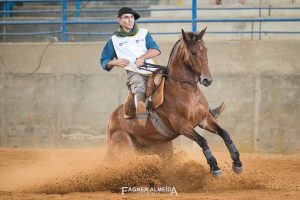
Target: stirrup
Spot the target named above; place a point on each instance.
(141, 113)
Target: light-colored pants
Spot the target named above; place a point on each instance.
(136, 82)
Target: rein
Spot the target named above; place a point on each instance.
(164, 72)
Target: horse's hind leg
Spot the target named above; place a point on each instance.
(212, 126)
(119, 146)
(164, 150)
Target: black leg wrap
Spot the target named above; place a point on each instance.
(213, 164)
(207, 154)
(233, 151)
(211, 160)
(201, 141)
(235, 155)
(214, 169)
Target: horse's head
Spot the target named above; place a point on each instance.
(196, 56)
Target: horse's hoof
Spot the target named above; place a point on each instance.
(236, 169)
(217, 173)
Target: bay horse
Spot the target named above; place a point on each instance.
(184, 108)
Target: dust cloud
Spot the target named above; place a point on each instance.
(183, 173)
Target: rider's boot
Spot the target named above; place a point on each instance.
(141, 113)
(217, 111)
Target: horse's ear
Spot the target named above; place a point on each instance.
(186, 36)
(201, 34)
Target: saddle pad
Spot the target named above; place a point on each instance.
(156, 93)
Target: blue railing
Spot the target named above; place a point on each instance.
(64, 21)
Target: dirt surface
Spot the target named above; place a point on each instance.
(80, 174)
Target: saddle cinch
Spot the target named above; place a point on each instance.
(154, 95)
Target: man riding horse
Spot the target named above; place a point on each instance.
(185, 106)
(132, 47)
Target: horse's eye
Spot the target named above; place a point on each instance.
(194, 53)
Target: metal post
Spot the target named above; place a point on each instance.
(7, 8)
(64, 37)
(77, 8)
(194, 16)
(4, 17)
(260, 18)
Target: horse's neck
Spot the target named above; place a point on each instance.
(180, 86)
(177, 68)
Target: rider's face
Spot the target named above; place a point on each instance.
(126, 21)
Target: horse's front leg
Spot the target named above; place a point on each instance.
(212, 126)
(201, 141)
(237, 166)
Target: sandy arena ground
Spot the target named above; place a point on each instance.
(80, 174)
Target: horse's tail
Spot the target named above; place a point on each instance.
(216, 112)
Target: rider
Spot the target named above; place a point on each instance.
(130, 47)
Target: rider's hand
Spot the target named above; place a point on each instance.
(121, 62)
(140, 61)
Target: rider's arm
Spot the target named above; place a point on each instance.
(151, 44)
(108, 55)
(153, 50)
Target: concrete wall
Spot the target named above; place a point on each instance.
(68, 100)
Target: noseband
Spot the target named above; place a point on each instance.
(198, 76)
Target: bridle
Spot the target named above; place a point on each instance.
(160, 69)
(193, 69)
(198, 76)
(164, 71)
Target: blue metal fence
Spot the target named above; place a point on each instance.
(8, 5)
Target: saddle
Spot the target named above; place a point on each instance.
(154, 95)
